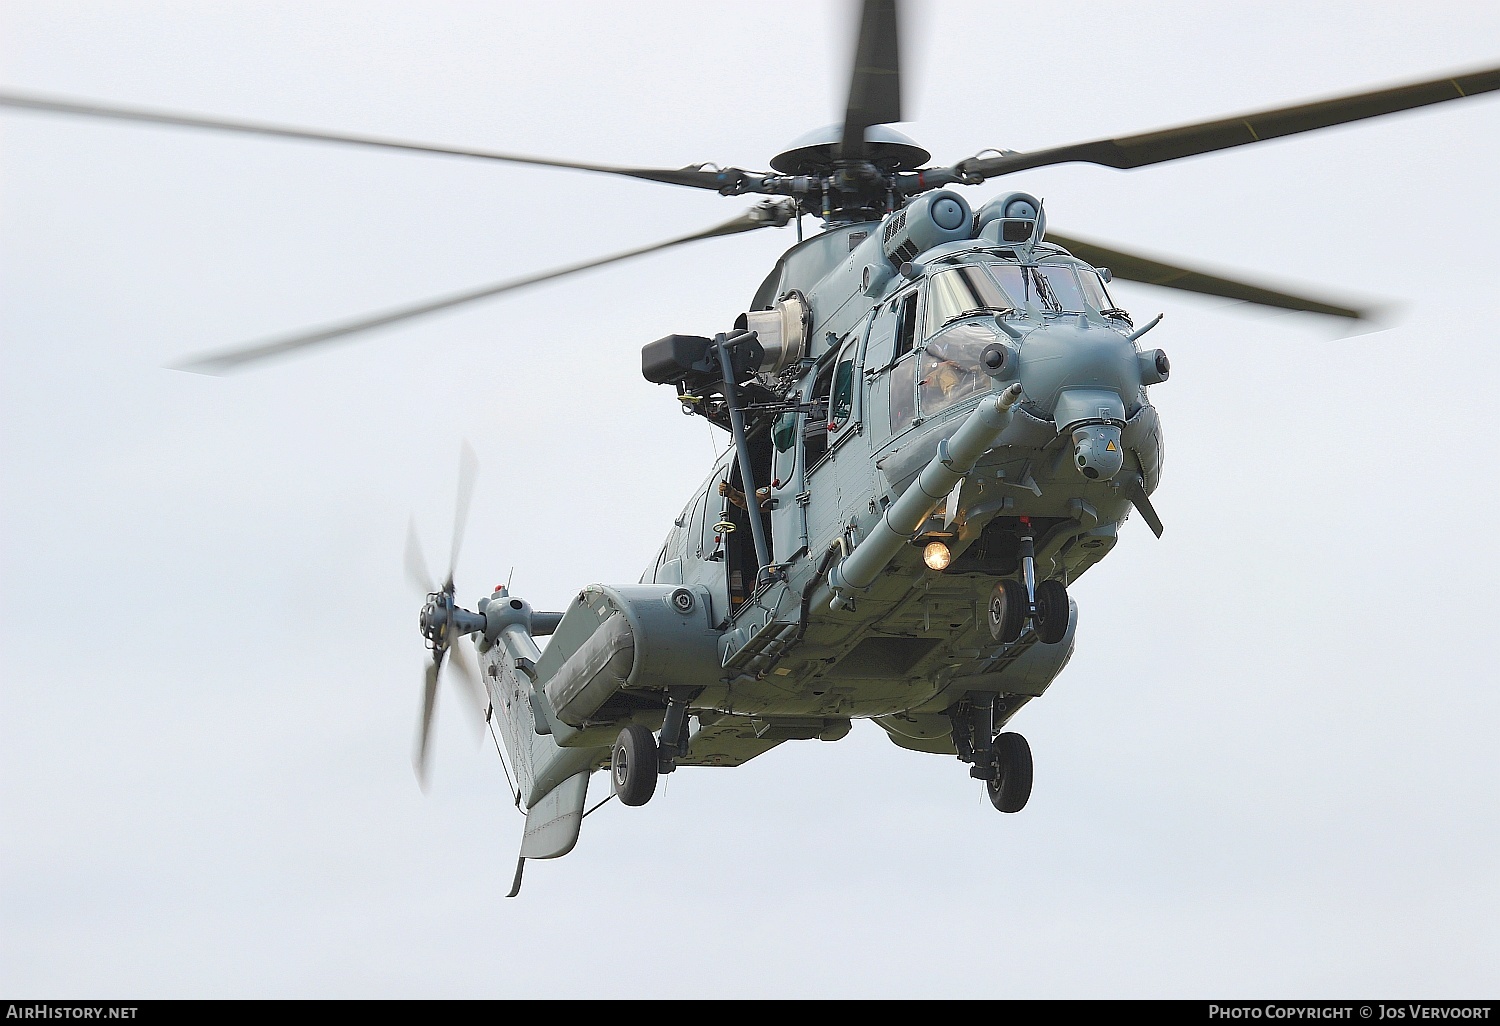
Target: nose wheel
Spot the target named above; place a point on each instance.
(1051, 612)
(1013, 603)
(1010, 607)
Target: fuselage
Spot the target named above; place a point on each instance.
(892, 368)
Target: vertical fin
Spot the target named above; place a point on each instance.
(515, 885)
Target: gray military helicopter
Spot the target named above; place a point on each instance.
(939, 418)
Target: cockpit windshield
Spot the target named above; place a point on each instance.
(955, 293)
(1052, 287)
(1062, 282)
(1016, 284)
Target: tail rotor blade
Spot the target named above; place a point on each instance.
(416, 566)
(468, 472)
(424, 728)
(474, 692)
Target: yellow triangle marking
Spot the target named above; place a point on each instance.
(1110, 447)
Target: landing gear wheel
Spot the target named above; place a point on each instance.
(1051, 612)
(1008, 608)
(634, 765)
(1011, 786)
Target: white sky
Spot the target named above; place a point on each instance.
(1269, 770)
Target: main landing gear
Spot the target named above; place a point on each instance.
(1010, 786)
(1044, 603)
(1002, 761)
(638, 760)
(633, 768)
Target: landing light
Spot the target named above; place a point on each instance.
(937, 556)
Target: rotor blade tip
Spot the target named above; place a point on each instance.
(1371, 320)
(204, 368)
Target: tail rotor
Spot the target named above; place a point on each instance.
(443, 622)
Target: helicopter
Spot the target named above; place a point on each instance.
(809, 613)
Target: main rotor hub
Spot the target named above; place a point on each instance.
(848, 187)
(816, 152)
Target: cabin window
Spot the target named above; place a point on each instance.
(815, 425)
(950, 367)
(959, 293)
(784, 432)
(841, 404)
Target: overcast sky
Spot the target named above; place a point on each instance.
(1270, 769)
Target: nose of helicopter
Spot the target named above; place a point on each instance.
(1084, 374)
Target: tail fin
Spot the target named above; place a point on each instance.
(551, 781)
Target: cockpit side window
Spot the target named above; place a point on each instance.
(958, 293)
(1094, 291)
(903, 394)
(906, 329)
(950, 366)
(695, 524)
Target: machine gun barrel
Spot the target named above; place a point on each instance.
(955, 458)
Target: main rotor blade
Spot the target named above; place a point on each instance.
(693, 177)
(1134, 151)
(875, 83)
(468, 473)
(759, 216)
(1134, 267)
